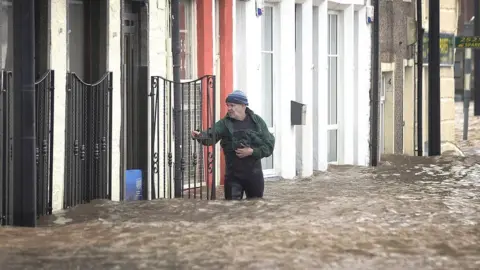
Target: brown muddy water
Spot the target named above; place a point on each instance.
(408, 213)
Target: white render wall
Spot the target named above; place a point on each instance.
(58, 63)
(362, 83)
(309, 144)
(114, 65)
(158, 44)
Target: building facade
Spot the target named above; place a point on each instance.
(108, 113)
(398, 96)
(397, 86)
(103, 55)
(316, 53)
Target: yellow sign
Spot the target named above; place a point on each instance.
(446, 48)
(467, 42)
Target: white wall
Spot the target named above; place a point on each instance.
(347, 85)
(58, 63)
(304, 85)
(299, 52)
(302, 76)
(157, 44)
(286, 70)
(362, 69)
(319, 94)
(114, 54)
(247, 52)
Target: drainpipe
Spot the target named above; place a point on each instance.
(434, 79)
(177, 97)
(467, 70)
(420, 33)
(24, 133)
(375, 85)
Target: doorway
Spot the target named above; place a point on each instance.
(386, 115)
(333, 56)
(409, 110)
(134, 91)
(268, 81)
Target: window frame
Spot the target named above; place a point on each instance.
(191, 67)
(337, 56)
(271, 172)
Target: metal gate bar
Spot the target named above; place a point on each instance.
(44, 88)
(88, 140)
(198, 112)
(44, 93)
(6, 155)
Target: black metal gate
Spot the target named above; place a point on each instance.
(198, 111)
(44, 88)
(44, 94)
(88, 140)
(6, 156)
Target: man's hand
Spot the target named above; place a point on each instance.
(195, 134)
(244, 152)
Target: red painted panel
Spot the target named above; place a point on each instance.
(205, 67)
(226, 60)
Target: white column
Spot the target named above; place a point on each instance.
(157, 67)
(58, 63)
(306, 91)
(240, 38)
(114, 53)
(322, 96)
(348, 88)
(234, 37)
(363, 71)
(216, 71)
(253, 56)
(286, 88)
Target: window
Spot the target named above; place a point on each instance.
(192, 120)
(41, 36)
(187, 40)
(267, 55)
(6, 35)
(87, 39)
(332, 128)
(267, 66)
(192, 95)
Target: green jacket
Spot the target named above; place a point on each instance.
(260, 140)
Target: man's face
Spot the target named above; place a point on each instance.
(236, 111)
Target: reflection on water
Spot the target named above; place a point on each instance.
(409, 213)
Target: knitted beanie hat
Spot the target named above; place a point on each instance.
(237, 97)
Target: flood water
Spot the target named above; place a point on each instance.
(408, 213)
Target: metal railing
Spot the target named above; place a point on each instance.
(88, 140)
(198, 112)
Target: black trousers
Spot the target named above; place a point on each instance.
(252, 184)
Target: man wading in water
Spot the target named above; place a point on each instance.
(245, 140)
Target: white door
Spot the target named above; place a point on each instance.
(267, 75)
(381, 108)
(333, 124)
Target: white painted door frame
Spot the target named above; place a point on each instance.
(272, 172)
(338, 125)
